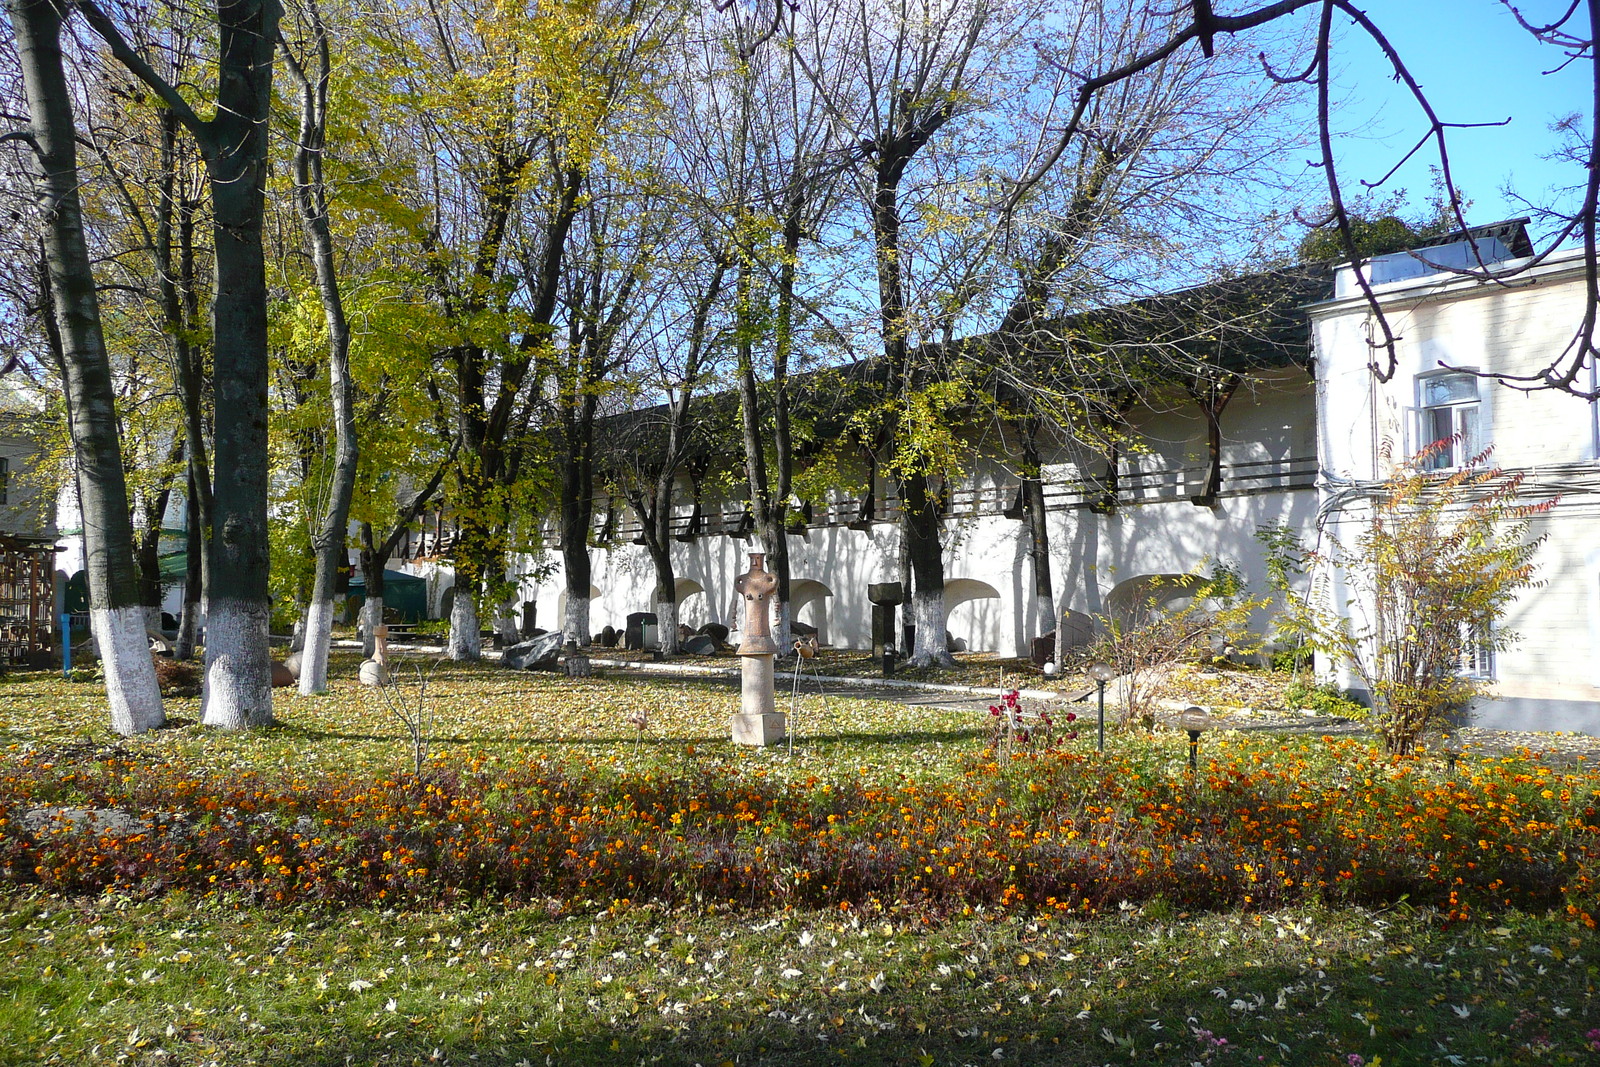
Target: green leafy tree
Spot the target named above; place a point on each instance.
(1376, 229)
(1411, 604)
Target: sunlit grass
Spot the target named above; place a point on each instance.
(1183, 945)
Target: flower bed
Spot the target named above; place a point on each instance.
(1059, 830)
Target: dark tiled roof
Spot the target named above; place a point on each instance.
(1513, 233)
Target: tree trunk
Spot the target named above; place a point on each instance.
(505, 622)
(473, 548)
(655, 518)
(373, 562)
(116, 616)
(190, 381)
(775, 539)
(782, 439)
(466, 643)
(193, 579)
(371, 619)
(920, 525)
(1033, 510)
(575, 625)
(666, 594)
(769, 509)
(922, 530)
(667, 623)
(577, 513)
(149, 552)
(311, 198)
(238, 689)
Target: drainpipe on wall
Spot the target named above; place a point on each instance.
(1594, 406)
(1374, 399)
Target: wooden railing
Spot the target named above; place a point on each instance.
(1140, 481)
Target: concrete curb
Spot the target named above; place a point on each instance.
(842, 679)
(650, 666)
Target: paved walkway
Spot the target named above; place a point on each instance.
(910, 694)
(1558, 750)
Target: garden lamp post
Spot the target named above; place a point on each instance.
(1102, 673)
(1194, 720)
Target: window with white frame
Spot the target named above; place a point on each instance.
(1477, 651)
(1449, 412)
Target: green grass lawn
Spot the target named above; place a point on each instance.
(965, 970)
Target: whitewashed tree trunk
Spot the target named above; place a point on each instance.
(927, 613)
(125, 650)
(782, 631)
(1044, 614)
(465, 641)
(311, 198)
(505, 623)
(575, 626)
(117, 616)
(667, 626)
(238, 687)
(371, 619)
(314, 652)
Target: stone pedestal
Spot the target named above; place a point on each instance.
(884, 597)
(758, 721)
(577, 661)
(882, 628)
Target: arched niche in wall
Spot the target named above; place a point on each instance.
(1133, 599)
(972, 613)
(808, 603)
(694, 607)
(559, 621)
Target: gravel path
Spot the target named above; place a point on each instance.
(1555, 749)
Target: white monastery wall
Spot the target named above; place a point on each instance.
(988, 572)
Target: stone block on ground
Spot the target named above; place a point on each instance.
(887, 594)
(633, 635)
(1043, 649)
(759, 729)
(699, 645)
(282, 676)
(1077, 630)
(540, 653)
(716, 631)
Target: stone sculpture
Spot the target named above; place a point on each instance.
(375, 671)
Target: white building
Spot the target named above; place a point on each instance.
(1108, 536)
(1453, 329)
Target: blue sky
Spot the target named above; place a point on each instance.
(1476, 65)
